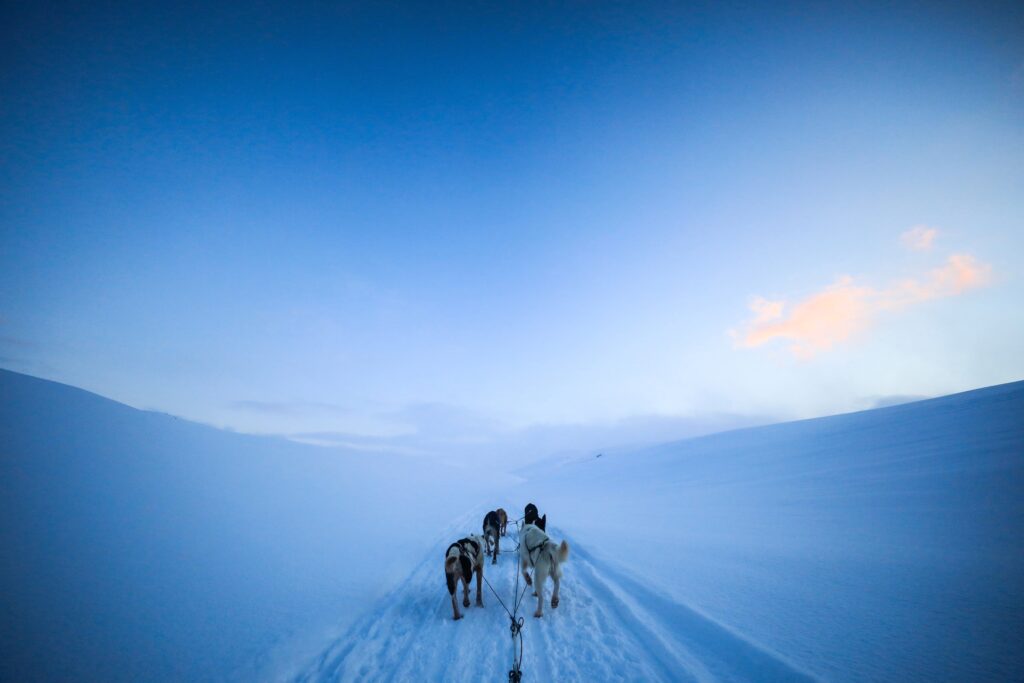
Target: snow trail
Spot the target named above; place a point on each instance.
(608, 627)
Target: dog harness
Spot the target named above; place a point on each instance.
(461, 545)
(476, 547)
(536, 548)
(530, 550)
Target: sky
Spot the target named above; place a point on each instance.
(391, 224)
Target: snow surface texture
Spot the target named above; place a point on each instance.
(608, 627)
(882, 545)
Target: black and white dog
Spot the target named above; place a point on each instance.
(461, 560)
(541, 553)
(531, 516)
(492, 534)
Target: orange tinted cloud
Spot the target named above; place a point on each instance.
(844, 308)
(815, 324)
(919, 238)
(960, 273)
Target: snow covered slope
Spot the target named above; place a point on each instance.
(883, 545)
(137, 546)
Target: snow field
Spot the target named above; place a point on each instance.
(608, 627)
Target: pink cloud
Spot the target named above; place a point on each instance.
(919, 238)
(839, 311)
(960, 273)
(815, 324)
(765, 311)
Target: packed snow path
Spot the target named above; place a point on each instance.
(608, 627)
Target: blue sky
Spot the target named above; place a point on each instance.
(382, 220)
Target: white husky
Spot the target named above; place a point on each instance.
(541, 553)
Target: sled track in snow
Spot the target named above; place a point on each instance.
(608, 627)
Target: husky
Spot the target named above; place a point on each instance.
(531, 516)
(492, 534)
(541, 553)
(503, 520)
(461, 560)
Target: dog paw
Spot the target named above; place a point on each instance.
(538, 614)
(479, 603)
(554, 601)
(457, 617)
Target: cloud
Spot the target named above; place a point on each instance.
(815, 324)
(358, 442)
(462, 439)
(444, 422)
(289, 408)
(960, 273)
(24, 354)
(919, 238)
(844, 308)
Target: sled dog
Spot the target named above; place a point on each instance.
(541, 553)
(531, 516)
(503, 520)
(492, 534)
(461, 560)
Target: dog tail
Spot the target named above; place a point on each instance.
(563, 551)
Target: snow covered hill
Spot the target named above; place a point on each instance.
(137, 546)
(882, 545)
